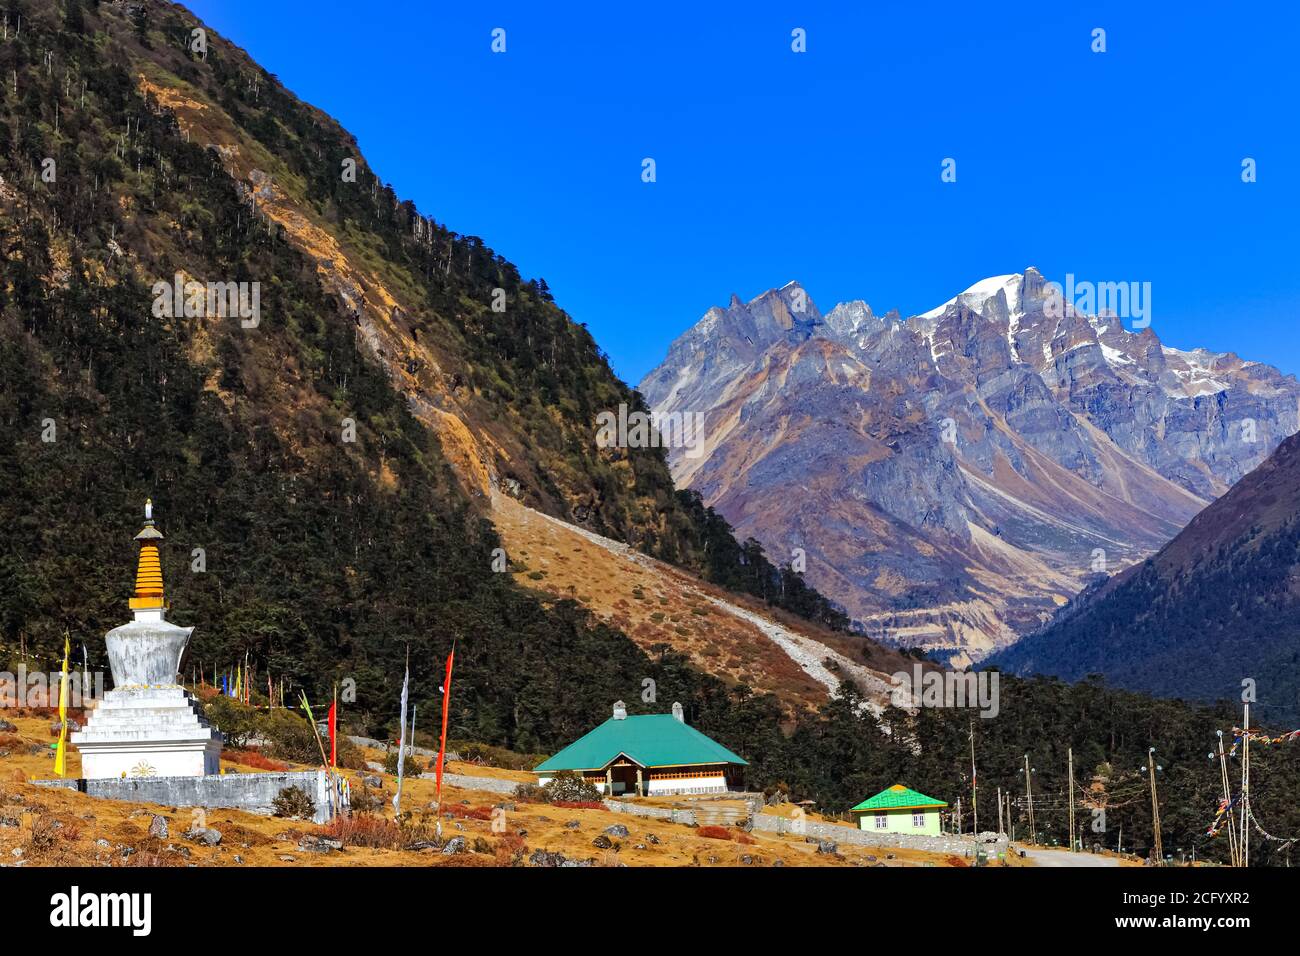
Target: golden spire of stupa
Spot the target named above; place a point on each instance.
(148, 576)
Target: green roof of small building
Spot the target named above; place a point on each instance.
(899, 797)
(652, 740)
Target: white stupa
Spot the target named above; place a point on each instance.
(148, 725)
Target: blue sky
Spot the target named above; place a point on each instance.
(825, 166)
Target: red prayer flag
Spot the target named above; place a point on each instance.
(333, 723)
(446, 699)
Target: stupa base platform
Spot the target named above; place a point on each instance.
(141, 732)
(252, 792)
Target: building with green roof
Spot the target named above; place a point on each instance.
(900, 810)
(649, 755)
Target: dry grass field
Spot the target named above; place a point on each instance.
(42, 826)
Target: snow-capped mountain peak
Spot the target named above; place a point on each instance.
(979, 294)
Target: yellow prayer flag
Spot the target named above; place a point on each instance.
(60, 756)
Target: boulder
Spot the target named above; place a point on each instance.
(318, 844)
(158, 827)
(549, 858)
(455, 845)
(205, 835)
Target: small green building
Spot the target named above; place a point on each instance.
(900, 810)
(647, 755)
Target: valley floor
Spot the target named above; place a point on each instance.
(42, 826)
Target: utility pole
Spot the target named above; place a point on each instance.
(1029, 795)
(1245, 787)
(1155, 806)
(1070, 756)
(974, 805)
(1000, 830)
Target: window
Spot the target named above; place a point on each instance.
(882, 821)
(918, 819)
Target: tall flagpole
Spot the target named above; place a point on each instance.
(442, 744)
(1244, 842)
(1227, 803)
(401, 740)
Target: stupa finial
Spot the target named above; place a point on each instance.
(148, 575)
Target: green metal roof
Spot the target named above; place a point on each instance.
(899, 797)
(652, 740)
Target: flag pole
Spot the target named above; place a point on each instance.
(442, 744)
(314, 729)
(60, 757)
(401, 739)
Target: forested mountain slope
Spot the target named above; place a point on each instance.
(332, 458)
(1217, 605)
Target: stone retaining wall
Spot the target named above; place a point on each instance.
(254, 792)
(464, 782)
(963, 845)
(686, 817)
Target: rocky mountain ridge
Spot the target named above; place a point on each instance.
(954, 477)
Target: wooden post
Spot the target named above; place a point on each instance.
(1233, 852)
(1155, 806)
(974, 805)
(1070, 756)
(1244, 843)
(1029, 794)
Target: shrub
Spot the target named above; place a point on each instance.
(530, 793)
(236, 722)
(253, 758)
(499, 757)
(376, 832)
(295, 803)
(412, 768)
(365, 829)
(510, 849)
(365, 800)
(467, 813)
(567, 785)
(350, 756)
(289, 737)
